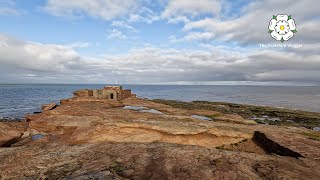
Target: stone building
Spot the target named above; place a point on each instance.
(108, 92)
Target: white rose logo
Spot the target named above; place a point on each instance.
(282, 27)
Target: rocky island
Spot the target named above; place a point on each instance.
(112, 134)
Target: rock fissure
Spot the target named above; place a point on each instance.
(271, 146)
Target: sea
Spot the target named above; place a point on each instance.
(16, 100)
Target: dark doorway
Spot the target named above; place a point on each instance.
(111, 96)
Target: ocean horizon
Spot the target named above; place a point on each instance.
(20, 99)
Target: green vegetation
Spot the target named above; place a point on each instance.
(278, 123)
(298, 118)
(217, 162)
(116, 168)
(312, 135)
(259, 121)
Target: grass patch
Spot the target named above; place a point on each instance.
(279, 123)
(300, 118)
(258, 121)
(312, 135)
(116, 168)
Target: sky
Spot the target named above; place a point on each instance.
(199, 42)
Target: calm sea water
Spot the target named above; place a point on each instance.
(17, 100)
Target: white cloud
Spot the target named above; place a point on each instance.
(193, 36)
(23, 61)
(116, 34)
(178, 19)
(145, 15)
(122, 24)
(199, 36)
(178, 8)
(219, 64)
(34, 56)
(105, 9)
(78, 45)
(250, 26)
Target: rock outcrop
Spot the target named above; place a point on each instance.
(11, 132)
(90, 138)
(48, 107)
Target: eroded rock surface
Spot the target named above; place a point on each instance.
(11, 132)
(48, 107)
(99, 139)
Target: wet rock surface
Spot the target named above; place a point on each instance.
(8, 119)
(201, 117)
(271, 115)
(99, 139)
(316, 129)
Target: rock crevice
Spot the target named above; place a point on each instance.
(273, 147)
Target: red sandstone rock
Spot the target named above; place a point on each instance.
(11, 132)
(96, 138)
(48, 107)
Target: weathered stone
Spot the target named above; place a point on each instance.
(48, 107)
(108, 92)
(128, 172)
(11, 132)
(81, 93)
(87, 137)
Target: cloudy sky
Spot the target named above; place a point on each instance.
(157, 42)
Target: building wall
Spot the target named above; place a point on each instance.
(81, 93)
(95, 93)
(90, 92)
(125, 94)
(116, 88)
(105, 93)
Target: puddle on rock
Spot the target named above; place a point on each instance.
(37, 136)
(265, 119)
(274, 119)
(201, 117)
(136, 108)
(316, 129)
(142, 109)
(259, 118)
(151, 111)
